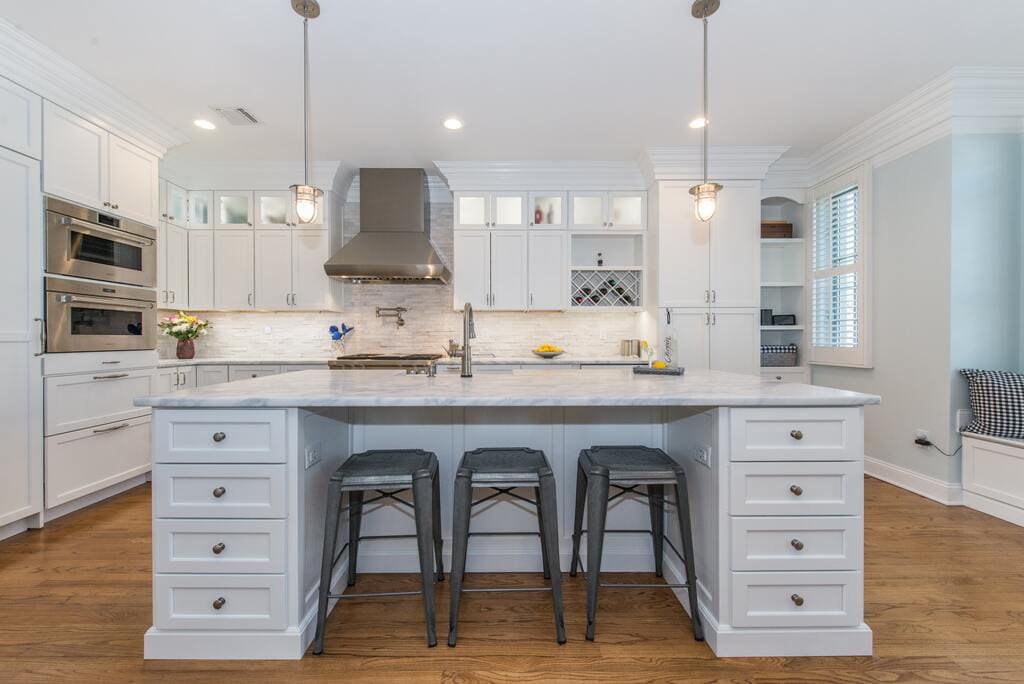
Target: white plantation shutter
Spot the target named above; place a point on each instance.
(838, 273)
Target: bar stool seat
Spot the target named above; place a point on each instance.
(503, 470)
(386, 472)
(626, 468)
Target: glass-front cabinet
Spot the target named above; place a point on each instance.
(233, 209)
(589, 210)
(608, 210)
(471, 210)
(273, 209)
(475, 210)
(508, 210)
(177, 205)
(547, 210)
(200, 209)
(626, 210)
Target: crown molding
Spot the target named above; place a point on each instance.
(541, 175)
(36, 67)
(437, 190)
(725, 162)
(787, 178)
(247, 175)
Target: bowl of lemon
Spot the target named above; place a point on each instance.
(548, 351)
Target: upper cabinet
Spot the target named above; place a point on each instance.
(608, 210)
(200, 209)
(22, 120)
(176, 205)
(273, 209)
(547, 210)
(85, 164)
(474, 210)
(233, 209)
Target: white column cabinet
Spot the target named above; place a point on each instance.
(472, 268)
(200, 269)
(716, 339)
(273, 269)
(547, 271)
(233, 269)
(735, 254)
(176, 266)
(509, 269)
(310, 285)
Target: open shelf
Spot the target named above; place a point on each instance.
(782, 283)
(608, 288)
(782, 241)
(781, 328)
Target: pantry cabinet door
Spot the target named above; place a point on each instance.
(74, 158)
(472, 269)
(310, 285)
(273, 269)
(134, 190)
(690, 329)
(735, 340)
(548, 271)
(177, 267)
(233, 269)
(200, 269)
(736, 247)
(684, 265)
(508, 270)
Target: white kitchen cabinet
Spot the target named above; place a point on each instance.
(236, 372)
(233, 269)
(21, 404)
(211, 375)
(200, 209)
(176, 267)
(174, 378)
(273, 269)
(490, 210)
(509, 288)
(472, 269)
(736, 247)
(547, 210)
(273, 209)
(200, 269)
(608, 210)
(471, 210)
(21, 119)
(83, 400)
(233, 209)
(683, 249)
(716, 339)
(310, 285)
(547, 270)
(133, 183)
(176, 199)
(691, 338)
(508, 210)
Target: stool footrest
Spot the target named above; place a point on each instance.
(370, 594)
(498, 590)
(503, 534)
(632, 585)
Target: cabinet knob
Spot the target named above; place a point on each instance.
(796, 544)
(796, 434)
(796, 489)
(106, 204)
(219, 436)
(114, 206)
(778, 377)
(219, 492)
(531, 223)
(797, 599)
(219, 603)
(218, 547)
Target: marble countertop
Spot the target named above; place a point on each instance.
(477, 361)
(241, 361)
(524, 387)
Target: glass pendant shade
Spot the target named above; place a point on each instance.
(306, 199)
(705, 198)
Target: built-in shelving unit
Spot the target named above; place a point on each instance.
(783, 281)
(606, 270)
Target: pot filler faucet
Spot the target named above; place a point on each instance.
(468, 333)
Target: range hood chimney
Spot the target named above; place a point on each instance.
(393, 243)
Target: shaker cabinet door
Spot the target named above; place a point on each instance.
(472, 269)
(273, 269)
(74, 158)
(233, 269)
(508, 270)
(310, 285)
(548, 272)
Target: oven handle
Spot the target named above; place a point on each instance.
(108, 303)
(113, 232)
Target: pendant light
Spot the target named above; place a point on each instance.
(306, 197)
(705, 195)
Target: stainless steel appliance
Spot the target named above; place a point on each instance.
(82, 316)
(411, 363)
(89, 244)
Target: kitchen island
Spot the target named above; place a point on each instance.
(240, 474)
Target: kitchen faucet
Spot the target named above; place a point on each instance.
(468, 333)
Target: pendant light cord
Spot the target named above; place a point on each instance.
(305, 96)
(707, 123)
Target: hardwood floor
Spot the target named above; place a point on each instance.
(944, 595)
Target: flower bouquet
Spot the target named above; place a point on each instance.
(185, 329)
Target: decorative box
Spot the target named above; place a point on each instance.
(778, 355)
(776, 229)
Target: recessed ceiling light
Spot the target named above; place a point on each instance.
(699, 122)
(452, 123)
(205, 124)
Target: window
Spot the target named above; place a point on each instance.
(839, 273)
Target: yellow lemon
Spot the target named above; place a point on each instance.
(659, 364)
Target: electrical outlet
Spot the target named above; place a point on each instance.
(922, 434)
(602, 334)
(702, 455)
(312, 455)
(963, 419)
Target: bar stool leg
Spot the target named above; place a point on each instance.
(543, 540)
(656, 505)
(597, 511)
(438, 540)
(355, 524)
(460, 543)
(577, 526)
(683, 509)
(547, 503)
(327, 561)
(422, 497)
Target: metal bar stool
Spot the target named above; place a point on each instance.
(386, 472)
(503, 470)
(626, 468)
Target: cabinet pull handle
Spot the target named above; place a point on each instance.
(219, 603)
(707, 296)
(173, 296)
(42, 336)
(707, 319)
(778, 377)
(714, 319)
(219, 547)
(796, 489)
(248, 298)
(110, 376)
(796, 434)
(219, 436)
(714, 296)
(797, 599)
(219, 492)
(797, 544)
(115, 206)
(99, 431)
(102, 363)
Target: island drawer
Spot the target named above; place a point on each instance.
(797, 599)
(220, 436)
(794, 543)
(219, 546)
(218, 491)
(214, 602)
(796, 434)
(796, 488)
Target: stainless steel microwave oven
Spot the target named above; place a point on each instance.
(85, 243)
(83, 316)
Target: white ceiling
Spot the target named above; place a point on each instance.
(533, 79)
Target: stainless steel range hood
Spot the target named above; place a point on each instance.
(393, 244)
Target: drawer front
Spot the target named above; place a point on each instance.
(226, 436)
(219, 491)
(75, 402)
(213, 602)
(828, 543)
(797, 434)
(219, 546)
(211, 375)
(246, 372)
(85, 461)
(796, 488)
(797, 599)
(786, 375)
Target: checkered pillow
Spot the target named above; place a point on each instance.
(997, 402)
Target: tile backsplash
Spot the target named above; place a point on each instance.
(430, 321)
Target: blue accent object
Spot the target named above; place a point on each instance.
(334, 328)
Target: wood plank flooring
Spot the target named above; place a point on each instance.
(944, 595)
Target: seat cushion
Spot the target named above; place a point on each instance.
(384, 467)
(997, 403)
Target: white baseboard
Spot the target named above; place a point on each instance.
(994, 508)
(16, 527)
(947, 493)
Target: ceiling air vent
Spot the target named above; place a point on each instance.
(237, 116)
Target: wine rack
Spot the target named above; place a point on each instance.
(605, 288)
